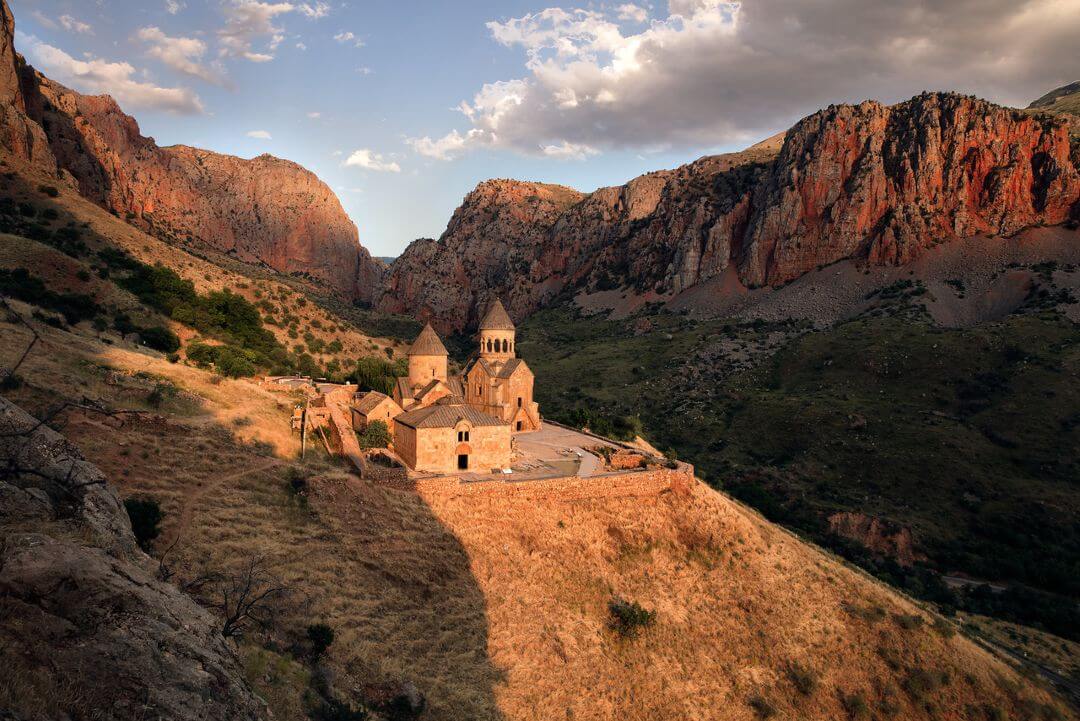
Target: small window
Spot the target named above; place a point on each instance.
(477, 390)
(519, 401)
(519, 425)
(506, 346)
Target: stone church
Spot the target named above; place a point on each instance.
(446, 424)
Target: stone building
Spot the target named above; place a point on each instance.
(449, 436)
(498, 382)
(374, 406)
(444, 423)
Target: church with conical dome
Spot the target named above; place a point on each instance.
(446, 424)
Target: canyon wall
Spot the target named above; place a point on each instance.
(870, 182)
(264, 210)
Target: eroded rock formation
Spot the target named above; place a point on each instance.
(872, 182)
(263, 210)
(86, 629)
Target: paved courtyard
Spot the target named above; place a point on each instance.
(550, 452)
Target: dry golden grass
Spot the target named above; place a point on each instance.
(216, 272)
(498, 609)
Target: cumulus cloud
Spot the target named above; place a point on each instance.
(174, 6)
(249, 21)
(633, 13)
(569, 151)
(72, 25)
(713, 72)
(348, 37)
(314, 115)
(366, 158)
(183, 55)
(314, 10)
(95, 75)
(259, 134)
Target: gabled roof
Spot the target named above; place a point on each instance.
(404, 388)
(427, 343)
(446, 416)
(369, 401)
(508, 367)
(496, 318)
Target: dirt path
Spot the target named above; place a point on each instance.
(191, 501)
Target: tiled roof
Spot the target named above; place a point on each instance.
(369, 401)
(404, 388)
(446, 416)
(496, 318)
(507, 369)
(427, 343)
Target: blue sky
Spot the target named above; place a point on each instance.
(403, 107)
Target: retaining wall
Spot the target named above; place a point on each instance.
(648, 482)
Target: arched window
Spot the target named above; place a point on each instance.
(489, 345)
(506, 345)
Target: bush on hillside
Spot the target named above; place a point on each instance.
(160, 338)
(376, 435)
(145, 515)
(18, 283)
(320, 636)
(628, 618)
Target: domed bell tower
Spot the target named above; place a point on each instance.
(496, 334)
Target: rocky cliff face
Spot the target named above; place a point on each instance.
(86, 629)
(264, 210)
(867, 181)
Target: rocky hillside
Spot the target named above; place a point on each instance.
(264, 210)
(871, 182)
(71, 571)
(1065, 99)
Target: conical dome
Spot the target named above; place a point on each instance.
(496, 318)
(427, 343)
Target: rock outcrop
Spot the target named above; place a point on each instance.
(872, 182)
(86, 630)
(264, 210)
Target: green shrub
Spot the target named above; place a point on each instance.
(855, 705)
(376, 435)
(49, 190)
(762, 706)
(145, 515)
(18, 283)
(908, 622)
(628, 618)
(160, 338)
(803, 679)
(320, 636)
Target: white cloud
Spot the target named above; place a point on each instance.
(301, 46)
(181, 54)
(715, 72)
(633, 13)
(72, 25)
(569, 151)
(95, 75)
(247, 21)
(314, 115)
(44, 19)
(365, 158)
(446, 147)
(259, 135)
(174, 6)
(314, 10)
(348, 37)
(364, 70)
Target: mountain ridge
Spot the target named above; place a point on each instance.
(262, 210)
(871, 182)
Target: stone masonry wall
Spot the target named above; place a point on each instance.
(611, 485)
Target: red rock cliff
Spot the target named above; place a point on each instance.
(865, 181)
(264, 210)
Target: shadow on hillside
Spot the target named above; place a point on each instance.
(376, 565)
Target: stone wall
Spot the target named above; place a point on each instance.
(649, 482)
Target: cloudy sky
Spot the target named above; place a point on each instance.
(403, 107)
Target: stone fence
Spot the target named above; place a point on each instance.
(648, 482)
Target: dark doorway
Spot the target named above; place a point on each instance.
(462, 461)
(519, 425)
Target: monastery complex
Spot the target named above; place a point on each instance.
(451, 424)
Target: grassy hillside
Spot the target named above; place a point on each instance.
(969, 438)
(1065, 99)
(502, 610)
(134, 283)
